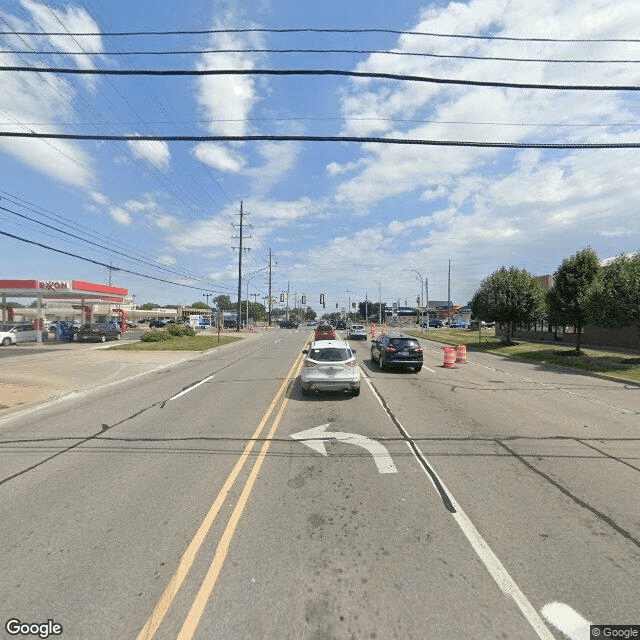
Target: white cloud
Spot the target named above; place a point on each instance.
(30, 102)
(155, 152)
(226, 101)
(99, 198)
(219, 157)
(121, 216)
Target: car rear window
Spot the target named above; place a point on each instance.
(404, 343)
(325, 327)
(330, 354)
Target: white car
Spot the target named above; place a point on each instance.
(330, 365)
(15, 333)
(356, 332)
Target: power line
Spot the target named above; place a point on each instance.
(189, 32)
(111, 250)
(101, 264)
(422, 54)
(359, 139)
(317, 72)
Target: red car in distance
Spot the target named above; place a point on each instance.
(325, 332)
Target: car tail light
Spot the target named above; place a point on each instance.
(309, 363)
(390, 350)
(418, 350)
(351, 363)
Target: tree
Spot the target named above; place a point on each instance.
(200, 305)
(573, 282)
(149, 306)
(511, 296)
(615, 295)
(223, 303)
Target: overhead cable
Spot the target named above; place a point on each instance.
(101, 264)
(316, 72)
(358, 139)
(422, 54)
(191, 32)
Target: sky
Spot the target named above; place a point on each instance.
(343, 219)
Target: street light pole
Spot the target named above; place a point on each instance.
(421, 286)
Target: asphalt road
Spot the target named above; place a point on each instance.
(494, 500)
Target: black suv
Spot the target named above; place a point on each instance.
(396, 350)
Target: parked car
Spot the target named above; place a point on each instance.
(229, 323)
(397, 350)
(98, 332)
(458, 324)
(324, 332)
(356, 332)
(158, 324)
(330, 365)
(312, 323)
(20, 332)
(436, 324)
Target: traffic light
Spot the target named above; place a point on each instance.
(282, 297)
(304, 300)
(418, 300)
(322, 298)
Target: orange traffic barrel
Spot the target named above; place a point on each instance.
(461, 354)
(449, 357)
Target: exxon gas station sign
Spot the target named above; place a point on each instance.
(54, 285)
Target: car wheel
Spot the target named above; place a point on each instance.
(117, 336)
(103, 338)
(381, 362)
(355, 392)
(6, 342)
(418, 368)
(305, 392)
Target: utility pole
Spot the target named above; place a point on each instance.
(449, 296)
(287, 310)
(270, 295)
(240, 250)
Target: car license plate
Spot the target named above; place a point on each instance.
(403, 353)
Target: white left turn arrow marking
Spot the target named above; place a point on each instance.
(315, 438)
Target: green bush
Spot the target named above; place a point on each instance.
(156, 335)
(180, 330)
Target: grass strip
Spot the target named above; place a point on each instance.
(179, 343)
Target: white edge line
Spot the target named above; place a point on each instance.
(493, 565)
(565, 619)
(191, 388)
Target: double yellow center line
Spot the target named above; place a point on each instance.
(188, 557)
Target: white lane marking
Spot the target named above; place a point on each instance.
(551, 386)
(565, 619)
(315, 437)
(195, 386)
(493, 565)
(555, 388)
